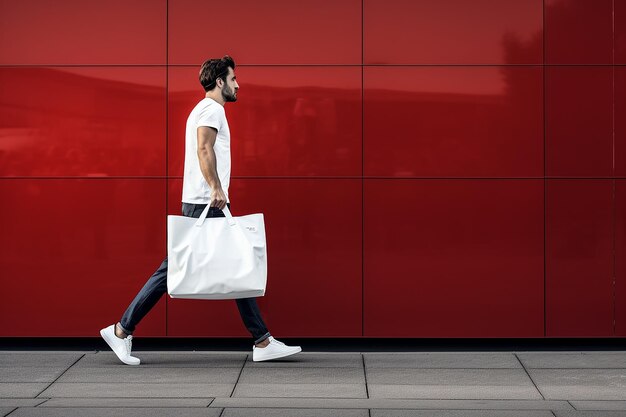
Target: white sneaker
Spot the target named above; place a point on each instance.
(273, 350)
(121, 347)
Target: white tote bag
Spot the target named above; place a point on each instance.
(216, 258)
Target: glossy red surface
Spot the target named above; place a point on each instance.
(620, 258)
(453, 258)
(620, 121)
(579, 121)
(579, 260)
(453, 121)
(313, 229)
(282, 32)
(445, 121)
(287, 121)
(75, 252)
(82, 32)
(579, 31)
(453, 32)
(87, 121)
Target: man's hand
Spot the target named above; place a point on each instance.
(218, 198)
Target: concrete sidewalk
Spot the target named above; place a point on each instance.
(530, 384)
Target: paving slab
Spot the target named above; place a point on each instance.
(372, 403)
(116, 412)
(137, 390)
(599, 405)
(587, 413)
(30, 374)
(153, 375)
(465, 392)
(441, 360)
(128, 402)
(168, 360)
(21, 402)
(458, 413)
(302, 376)
(292, 412)
(450, 377)
(559, 360)
(5, 411)
(581, 384)
(21, 389)
(38, 359)
(313, 360)
(301, 390)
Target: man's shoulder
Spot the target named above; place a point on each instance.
(210, 105)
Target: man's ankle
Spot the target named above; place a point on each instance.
(119, 332)
(263, 343)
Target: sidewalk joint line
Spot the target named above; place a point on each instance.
(44, 401)
(529, 377)
(238, 377)
(12, 411)
(62, 373)
(367, 392)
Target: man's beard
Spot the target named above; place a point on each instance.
(228, 94)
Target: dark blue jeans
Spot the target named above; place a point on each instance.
(156, 286)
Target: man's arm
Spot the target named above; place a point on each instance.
(208, 165)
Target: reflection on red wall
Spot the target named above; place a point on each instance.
(454, 121)
(85, 121)
(429, 168)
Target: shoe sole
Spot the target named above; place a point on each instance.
(109, 342)
(277, 356)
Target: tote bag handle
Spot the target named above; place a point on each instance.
(229, 217)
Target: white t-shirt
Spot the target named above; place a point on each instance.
(207, 112)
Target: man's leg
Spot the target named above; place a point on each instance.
(248, 308)
(119, 335)
(147, 297)
(265, 346)
(152, 290)
(251, 316)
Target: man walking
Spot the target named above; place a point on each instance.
(206, 179)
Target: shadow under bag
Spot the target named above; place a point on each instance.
(216, 258)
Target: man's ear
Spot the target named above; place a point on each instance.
(219, 82)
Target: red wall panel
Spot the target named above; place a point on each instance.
(314, 238)
(453, 32)
(453, 121)
(579, 121)
(75, 252)
(619, 17)
(453, 258)
(287, 121)
(579, 261)
(579, 31)
(82, 121)
(620, 121)
(280, 32)
(620, 257)
(80, 32)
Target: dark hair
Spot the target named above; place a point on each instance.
(212, 69)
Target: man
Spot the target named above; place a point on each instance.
(206, 179)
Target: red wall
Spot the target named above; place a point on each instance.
(427, 168)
